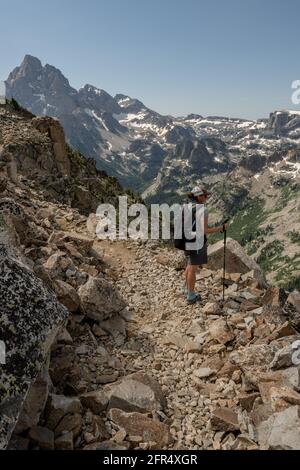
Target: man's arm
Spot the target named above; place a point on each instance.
(208, 229)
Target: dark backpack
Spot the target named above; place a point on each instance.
(179, 243)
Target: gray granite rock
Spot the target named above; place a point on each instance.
(281, 431)
(100, 300)
(30, 318)
(136, 392)
(237, 261)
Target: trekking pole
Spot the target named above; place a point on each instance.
(224, 264)
(224, 258)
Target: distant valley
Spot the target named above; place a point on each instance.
(252, 167)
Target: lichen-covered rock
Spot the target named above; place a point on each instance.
(14, 216)
(30, 318)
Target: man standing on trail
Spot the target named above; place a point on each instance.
(195, 258)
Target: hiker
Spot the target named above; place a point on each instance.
(195, 258)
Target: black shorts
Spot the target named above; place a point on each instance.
(196, 257)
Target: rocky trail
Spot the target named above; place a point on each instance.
(136, 367)
(187, 348)
(166, 336)
(191, 375)
(102, 351)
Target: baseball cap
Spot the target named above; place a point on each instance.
(200, 191)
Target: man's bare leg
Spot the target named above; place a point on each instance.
(191, 278)
(185, 276)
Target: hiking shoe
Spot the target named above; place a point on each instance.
(194, 299)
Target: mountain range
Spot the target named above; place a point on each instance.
(251, 166)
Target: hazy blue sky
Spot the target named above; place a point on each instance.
(228, 57)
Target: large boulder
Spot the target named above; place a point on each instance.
(54, 130)
(136, 392)
(34, 405)
(237, 261)
(100, 300)
(67, 295)
(30, 319)
(281, 431)
(287, 356)
(82, 197)
(79, 241)
(294, 299)
(58, 407)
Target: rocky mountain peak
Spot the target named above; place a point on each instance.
(92, 89)
(29, 68)
(31, 63)
(96, 98)
(131, 105)
(53, 76)
(285, 122)
(193, 117)
(42, 90)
